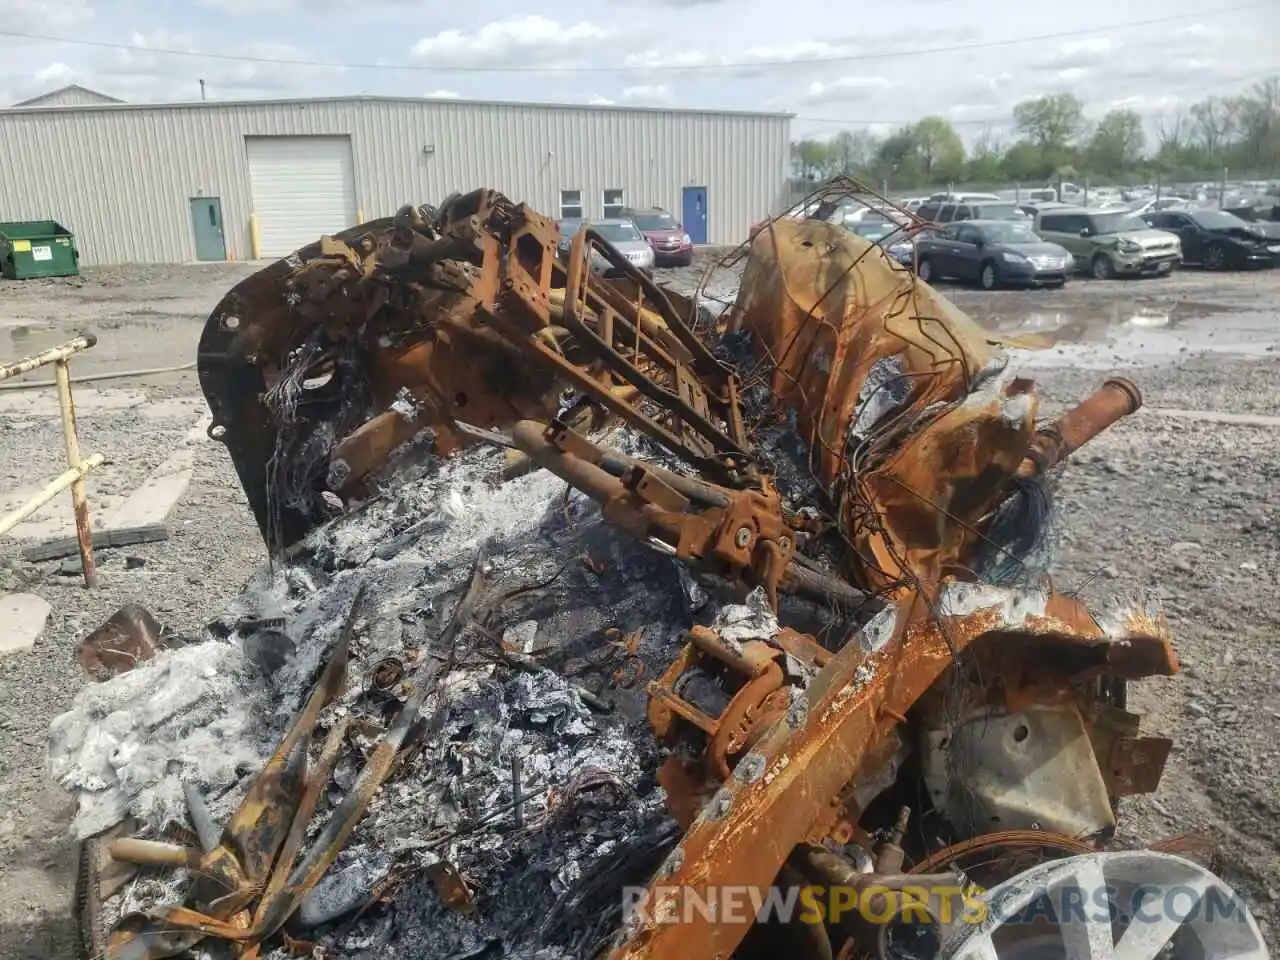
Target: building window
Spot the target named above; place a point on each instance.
(570, 204)
(613, 204)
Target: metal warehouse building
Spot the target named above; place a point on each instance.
(243, 180)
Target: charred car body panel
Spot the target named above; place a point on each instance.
(915, 506)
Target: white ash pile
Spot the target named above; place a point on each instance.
(547, 677)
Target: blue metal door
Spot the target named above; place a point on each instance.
(695, 213)
(206, 220)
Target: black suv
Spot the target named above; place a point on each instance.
(1216, 239)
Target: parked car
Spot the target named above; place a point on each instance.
(623, 235)
(994, 253)
(672, 247)
(974, 209)
(1215, 239)
(873, 229)
(1151, 205)
(953, 197)
(1109, 243)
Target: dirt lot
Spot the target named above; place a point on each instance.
(1174, 507)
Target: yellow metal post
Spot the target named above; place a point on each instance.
(255, 244)
(79, 495)
(77, 465)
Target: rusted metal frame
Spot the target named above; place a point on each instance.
(711, 369)
(670, 402)
(507, 288)
(620, 465)
(78, 467)
(631, 316)
(750, 827)
(582, 380)
(606, 352)
(690, 536)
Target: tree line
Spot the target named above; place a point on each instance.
(1055, 141)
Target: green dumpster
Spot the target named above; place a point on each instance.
(37, 248)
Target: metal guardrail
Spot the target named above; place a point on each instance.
(78, 466)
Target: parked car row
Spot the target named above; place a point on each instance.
(647, 238)
(1046, 248)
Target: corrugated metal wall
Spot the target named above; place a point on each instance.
(121, 177)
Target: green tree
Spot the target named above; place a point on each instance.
(985, 159)
(1214, 123)
(1258, 119)
(1117, 143)
(811, 159)
(939, 149)
(854, 153)
(1049, 122)
(1024, 162)
(898, 161)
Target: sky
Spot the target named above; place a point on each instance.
(834, 65)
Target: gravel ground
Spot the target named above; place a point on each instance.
(1186, 512)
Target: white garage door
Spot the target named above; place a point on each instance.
(302, 187)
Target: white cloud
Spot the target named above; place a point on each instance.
(55, 75)
(442, 95)
(657, 94)
(141, 75)
(745, 56)
(45, 16)
(846, 89)
(789, 52)
(596, 100)
(524, 40)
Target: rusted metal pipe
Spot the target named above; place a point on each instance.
(599, 485)
(52, 355)
(1116, 398)
(79, 493)
(152, 853)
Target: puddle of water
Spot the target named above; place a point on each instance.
(1127, 335)
(151, 340)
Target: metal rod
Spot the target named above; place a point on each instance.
(79, 492)
(51, 490)
(516, 798)
(52, 355)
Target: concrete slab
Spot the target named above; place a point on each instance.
(22, 620)
(155, 499)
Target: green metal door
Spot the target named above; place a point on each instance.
(206, 220)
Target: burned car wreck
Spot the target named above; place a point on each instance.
(590, 603)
